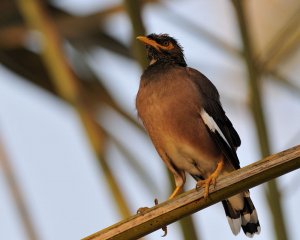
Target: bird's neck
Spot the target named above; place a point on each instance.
(166, 62)
(158, 68)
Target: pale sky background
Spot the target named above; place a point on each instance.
(59, 176)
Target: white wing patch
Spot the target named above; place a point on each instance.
(212, 125)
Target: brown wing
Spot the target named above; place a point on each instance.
(218, 124)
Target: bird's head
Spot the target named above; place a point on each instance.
(162, 47)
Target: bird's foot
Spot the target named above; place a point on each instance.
(143, 210)
(211, 180)
(206, 183)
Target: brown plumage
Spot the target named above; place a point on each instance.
(182, 113)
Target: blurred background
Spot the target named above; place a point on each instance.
(74, 157)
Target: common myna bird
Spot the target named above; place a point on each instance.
(182, 113)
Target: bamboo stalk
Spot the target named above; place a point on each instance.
(254, 77)
(30, 230)
(51, 49)
(134, 9)
(67, 85)
(192, 201)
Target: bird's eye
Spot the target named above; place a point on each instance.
(165, 43)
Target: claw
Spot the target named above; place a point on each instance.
(206, 183)
(164, 228)
(211, 180)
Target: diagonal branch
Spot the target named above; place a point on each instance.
(192, 201)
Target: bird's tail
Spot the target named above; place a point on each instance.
(241, 212)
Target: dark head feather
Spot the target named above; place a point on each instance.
(165, 53)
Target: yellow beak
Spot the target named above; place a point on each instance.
(150, 42)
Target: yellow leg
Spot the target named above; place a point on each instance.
(212, 179)
(177, 191)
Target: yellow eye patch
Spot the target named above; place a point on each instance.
(154, 44)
